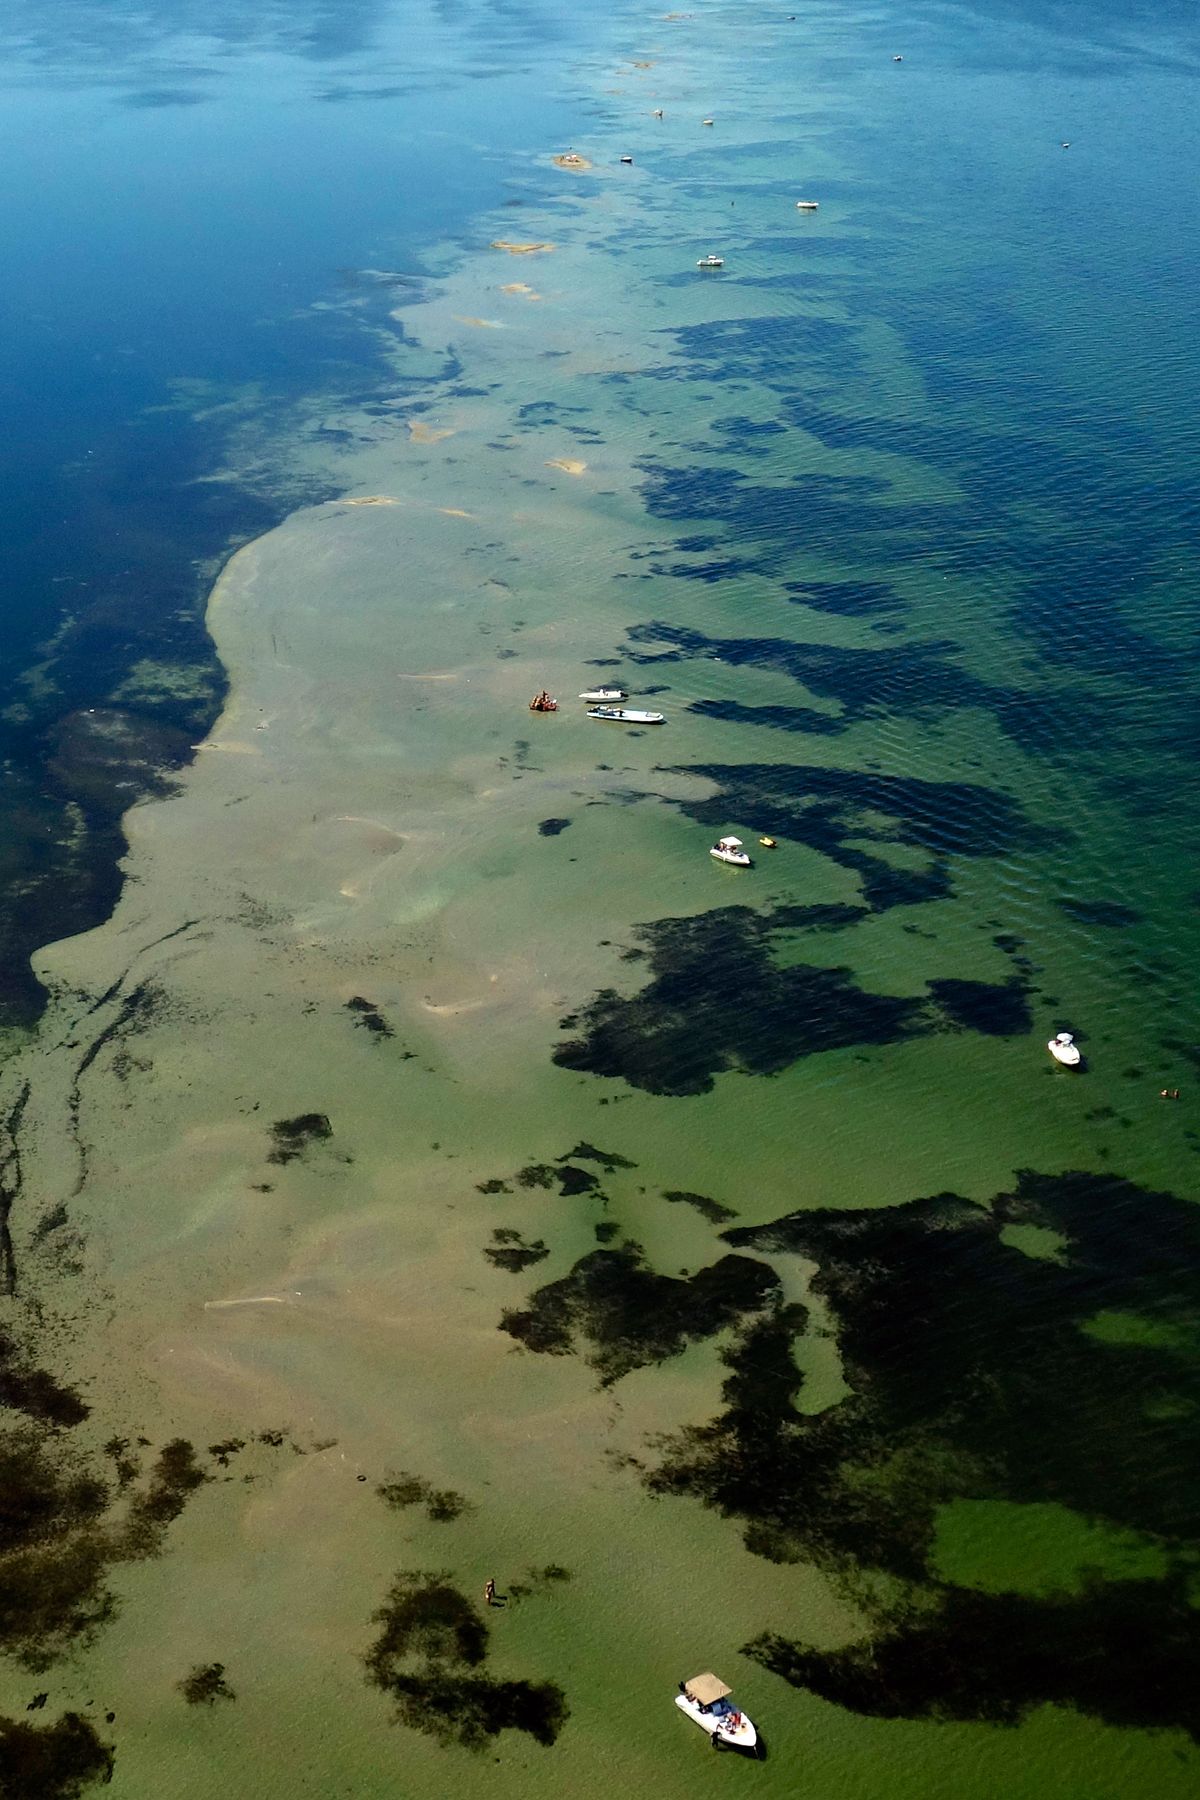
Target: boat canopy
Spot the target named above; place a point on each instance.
(729, 844)
(704, 1689)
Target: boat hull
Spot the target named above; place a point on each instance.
(719, 1726)
(621, 715)
(737, 859)
(1066, 1054)
(603, 696)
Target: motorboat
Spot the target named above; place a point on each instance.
(1065, 1050)
(626, 715)
(807, 205)
(731, 850)
(705, 1700)
(543, 703)
(601, 696)
(628, 160)
(711, 262)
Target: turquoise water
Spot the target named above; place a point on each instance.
(853, 1344)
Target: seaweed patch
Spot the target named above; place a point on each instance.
(442, 1505)
(205, 1685)
(58, 1539)
(429, 1659)
(691, 1022)
(52, 1762)
(369, 1017)
(292, 1137)
(509, 1250)
(995, 1387)
(997, 1009)
(627, 1316)
(712, 1210)
(834, 810)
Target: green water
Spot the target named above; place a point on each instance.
(891, 519)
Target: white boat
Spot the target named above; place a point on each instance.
(807, 205)
(705, 1700)
(626, 715)
(600, 695)
(731, 850)
(1065, 1050)
(711, 262)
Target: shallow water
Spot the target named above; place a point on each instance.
(893, 519)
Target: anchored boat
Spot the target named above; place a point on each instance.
(711, 262)
(731, 850)
(626, 715)
(601, 696)
(1065, 1050)
(705, 1700)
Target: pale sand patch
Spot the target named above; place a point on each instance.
(479, 324)
(514, 249)
(454, 512)
(522, 288)
(252, 1300)
(644, 63)
(420, 433)
(367, 500)
(570, 465)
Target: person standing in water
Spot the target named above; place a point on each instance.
(489, 1592)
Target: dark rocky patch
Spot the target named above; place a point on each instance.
(205, 1685)
(998, 1009)
(691, 1022)
(510, 1251)
(292, 1137)
(606, 1231)
(429, 1657)
(1099, 912)
(712, 1210)
(976, 1374)
(494, 1185)
(628, 1316)
(369, 1017)
(442, 1505)
(51, 1762)
(552, 827)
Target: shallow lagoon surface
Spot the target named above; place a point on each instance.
(439, 1168)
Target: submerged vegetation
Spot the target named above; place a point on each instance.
(430, 1659)
(979, 1375)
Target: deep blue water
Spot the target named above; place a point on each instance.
(180, 186)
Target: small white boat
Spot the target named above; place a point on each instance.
(1065, 1050)
(705, 1700)
(807, 205)
(600, 695)
(731, 850)
(626, 715)
(711, 262)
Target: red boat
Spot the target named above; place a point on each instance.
(543, 703)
